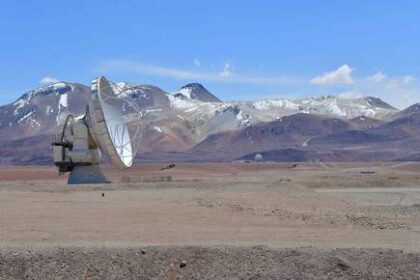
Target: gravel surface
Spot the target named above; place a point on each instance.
(192, 262)
(224, 221)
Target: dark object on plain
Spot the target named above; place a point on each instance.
(367, 172)
(170, 166)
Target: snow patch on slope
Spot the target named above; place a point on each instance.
(179, 103)
(335, 109)
(25, 117)
(185, 92)
(19, 105)
(330, 105)
(24, 100)
(275, 103)
(121, 87)
(29, 118)
(49, 110)
(63, 102)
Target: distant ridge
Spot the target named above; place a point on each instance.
(195, 125)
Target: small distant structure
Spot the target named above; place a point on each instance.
(170, 166)
(367, 172)
(258, 158)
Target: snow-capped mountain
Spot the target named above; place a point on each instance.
(36, 111)
(211, 117)
(174, 121)
(195, 91)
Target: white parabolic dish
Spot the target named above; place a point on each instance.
(108, 123)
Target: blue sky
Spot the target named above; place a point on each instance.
(237, 49)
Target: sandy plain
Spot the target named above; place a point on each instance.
(226, 221)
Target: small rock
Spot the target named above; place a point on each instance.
(183, 264)
(143, 252)
(103, 194)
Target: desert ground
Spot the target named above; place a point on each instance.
(214, 221)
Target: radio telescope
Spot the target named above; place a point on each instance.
(111, 125)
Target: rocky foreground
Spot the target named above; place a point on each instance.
(214, 221)
(192, 262)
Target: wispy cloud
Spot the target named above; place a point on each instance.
(399, 91)
(409, 79)
(351, 94)
(376, 78)
(341, 75)
(48, 80)
(224, 75)
(226, 72)
(197, 62)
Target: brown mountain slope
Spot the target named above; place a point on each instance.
(293, 130)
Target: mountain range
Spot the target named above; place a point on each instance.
(192, 124)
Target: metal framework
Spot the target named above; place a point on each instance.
(112, 124)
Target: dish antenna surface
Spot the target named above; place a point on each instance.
(111, 124)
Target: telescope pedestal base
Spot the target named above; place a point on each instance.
(87, 174)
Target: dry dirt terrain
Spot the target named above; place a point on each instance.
(214, 221)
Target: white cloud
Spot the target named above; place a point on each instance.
(401, 82)
(409, 79)
(225, 75)
(399, 91)
(226, 72)
(376, 78)
(48, 80)
(351, 94)
(197, 62)
(342, 75)
(393, 84)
